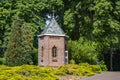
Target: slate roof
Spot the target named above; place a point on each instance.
(53, 29)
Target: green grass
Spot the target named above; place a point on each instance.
(32, 72)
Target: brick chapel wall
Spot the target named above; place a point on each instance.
(43, 43)
(48, 42)
(66, 49)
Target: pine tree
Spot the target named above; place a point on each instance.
(27, 44)
(20, 45)
(13, 53)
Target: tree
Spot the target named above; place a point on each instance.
(26, 44)
(98, 21)
(33, 12)
(83, 50)
(95, 20)
(20, 46)
(13, 54)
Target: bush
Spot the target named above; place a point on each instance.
(83, 50)
(96, 68)
(35, 56)
(27, 72)
(72, 61)
(32, 72)
(2, 60)
(83, 69)
(103, 67)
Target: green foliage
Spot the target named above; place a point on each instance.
(72, 61)
(30, 72)
(80, 70)
(103, 66)
(2, 60)
(26, 72)
(98, 21)
(26, 44)
(83, 51)
(35, 56)
(32, 12)
(20, 46)
(13, 55)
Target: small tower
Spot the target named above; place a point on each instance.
(52, 46)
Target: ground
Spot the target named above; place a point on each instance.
(102, 76)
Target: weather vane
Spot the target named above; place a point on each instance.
(53, 13)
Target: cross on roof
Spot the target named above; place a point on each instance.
(53, 13)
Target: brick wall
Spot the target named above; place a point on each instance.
(48, 42)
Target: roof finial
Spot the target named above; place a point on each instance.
(53, 13)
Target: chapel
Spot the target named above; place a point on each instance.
(52, 46)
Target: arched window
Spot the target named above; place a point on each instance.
(65, 47)
(54, 51)
(42, 53)
(42, 50)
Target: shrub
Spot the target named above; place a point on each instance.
(32, 72)
(96, 68)
(2, 60)
(83, 50)
(103, 67)
(72, 61)
(27, 72)
(83, 69)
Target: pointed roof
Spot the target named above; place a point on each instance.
(53, 29)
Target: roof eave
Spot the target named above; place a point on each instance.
(53, 35)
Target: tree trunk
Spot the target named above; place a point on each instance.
(76, 33)
(111, 60)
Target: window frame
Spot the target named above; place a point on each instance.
(54, 52)
(42, 53)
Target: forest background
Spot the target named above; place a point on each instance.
(93, 27)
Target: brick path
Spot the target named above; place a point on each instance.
(104, 76)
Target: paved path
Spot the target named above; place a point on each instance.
(104, 76)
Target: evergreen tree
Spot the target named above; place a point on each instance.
(13, 53)
(27, 44)
(20, 45)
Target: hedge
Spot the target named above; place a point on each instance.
(32, 72)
